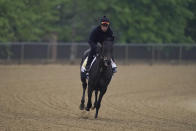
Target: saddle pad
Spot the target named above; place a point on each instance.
(83, 67)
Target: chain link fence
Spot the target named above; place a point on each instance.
(72, 52)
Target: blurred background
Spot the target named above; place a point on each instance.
(45, 31)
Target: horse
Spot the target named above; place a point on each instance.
(99, 77)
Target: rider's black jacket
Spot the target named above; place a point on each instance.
(97, 35)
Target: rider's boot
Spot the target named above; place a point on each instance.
(114, 66)
(87, 68)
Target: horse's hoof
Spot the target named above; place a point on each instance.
(92, 108)
(87, 109)
(81, 106)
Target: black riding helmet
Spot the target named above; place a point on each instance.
(104, 21)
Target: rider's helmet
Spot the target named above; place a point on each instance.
(104, 21)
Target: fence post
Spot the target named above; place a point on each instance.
(48, 53)
(180, 54)
(152, 59)
(53, 42)
(73, 53)
(126, 53)
(8, 56)
(158, 53)
(22, 53)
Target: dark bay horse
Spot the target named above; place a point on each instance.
(100, 76)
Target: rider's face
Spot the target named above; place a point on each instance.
(104, 28)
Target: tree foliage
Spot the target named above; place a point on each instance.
(133, 21)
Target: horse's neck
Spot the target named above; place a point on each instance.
(97, 63)
(95, 69)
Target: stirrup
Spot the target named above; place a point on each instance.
(87, 75)
(114, 70)
(87, 72)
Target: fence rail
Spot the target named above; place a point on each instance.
(70, 52)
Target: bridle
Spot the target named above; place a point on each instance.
(106, 60)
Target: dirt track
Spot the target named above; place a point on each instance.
(140, 97)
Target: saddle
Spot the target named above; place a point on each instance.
(85, 59)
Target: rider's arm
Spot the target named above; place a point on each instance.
(93, 39)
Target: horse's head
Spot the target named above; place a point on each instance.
(106, 51)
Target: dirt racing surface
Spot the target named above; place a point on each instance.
(140, 97)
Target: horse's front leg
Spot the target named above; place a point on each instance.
(102, 92)
(95, 103)
(89, 104)
(84, 85)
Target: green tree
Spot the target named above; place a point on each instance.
(26, 20)
(143, 21)
(191, 24)
(148, 21)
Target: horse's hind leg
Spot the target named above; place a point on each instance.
(84, 85)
